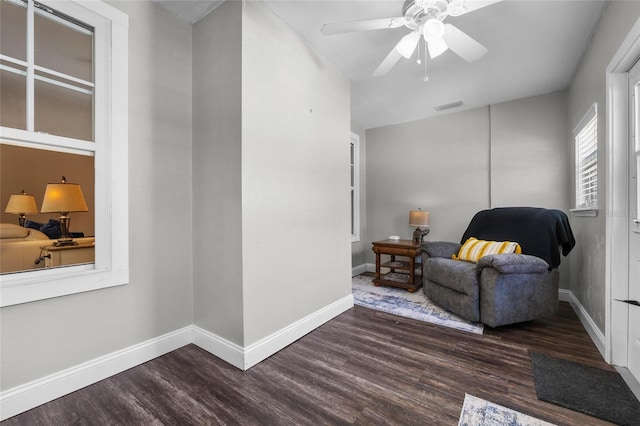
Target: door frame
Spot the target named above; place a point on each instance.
(617, 200)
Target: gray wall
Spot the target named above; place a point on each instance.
(456, 164)
(295, 176)
(41, 338)
(217, 171)
(439, 164)
(271, 173)
(589, 85)
(529, 162)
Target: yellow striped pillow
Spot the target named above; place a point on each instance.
(473, 249)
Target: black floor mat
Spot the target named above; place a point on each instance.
(598, 393)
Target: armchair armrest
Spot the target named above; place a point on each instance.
(440, 248)
(513, 263)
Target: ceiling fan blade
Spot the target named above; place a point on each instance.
(460, 7)
(463, 45)
(389, 62)
(363, 25)
(436, 47)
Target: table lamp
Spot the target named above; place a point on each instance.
(420, 220)
(21, 204)
(64, 198)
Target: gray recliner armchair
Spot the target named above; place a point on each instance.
(501, 289)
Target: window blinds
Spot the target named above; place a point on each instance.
(587, 163)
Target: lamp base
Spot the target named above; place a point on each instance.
(65, 237)
(63, 242)
(419, 234)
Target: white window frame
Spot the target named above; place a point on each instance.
(110, 151)
(585, 137)
(354, 155)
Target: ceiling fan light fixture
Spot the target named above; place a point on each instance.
(408, 44)
(437, 47)
(433, 29)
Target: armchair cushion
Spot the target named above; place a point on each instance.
(440, 248)
(461, 277)
(513, 264)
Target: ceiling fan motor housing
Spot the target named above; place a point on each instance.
(417, 12)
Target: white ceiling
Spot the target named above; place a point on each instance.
(190, 11)
(534, 48)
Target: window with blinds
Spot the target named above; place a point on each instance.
(586, 140)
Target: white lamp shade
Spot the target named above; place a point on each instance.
(21, 203)
(433, 29)
(419, 219)
(407, 45)
(437, 47)
(63, 197)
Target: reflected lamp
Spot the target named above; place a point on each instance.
(64, 198)
(21, 204)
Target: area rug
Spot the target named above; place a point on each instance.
(410, 305)
(593, 391)
(479, 412)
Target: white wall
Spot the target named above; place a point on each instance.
(295, 176)
(40, 338)
(588, 86)
(454, 165)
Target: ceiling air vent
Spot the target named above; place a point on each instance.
(450, 105)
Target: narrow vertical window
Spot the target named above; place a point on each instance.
(354, 151)
(586, 146)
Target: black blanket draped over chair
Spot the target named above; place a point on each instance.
(540, 232)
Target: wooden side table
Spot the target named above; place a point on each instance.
(68, 255)
(408, 252)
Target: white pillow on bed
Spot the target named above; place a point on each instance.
(13, 231)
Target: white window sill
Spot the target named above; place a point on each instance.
(585, 212)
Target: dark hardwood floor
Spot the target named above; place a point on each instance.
(363, 367)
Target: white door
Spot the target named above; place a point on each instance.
(633, 340)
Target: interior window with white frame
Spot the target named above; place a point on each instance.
(63, 71)
(354, 151)
(586, 160)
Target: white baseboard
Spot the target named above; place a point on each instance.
(245, 358)
(30, 395)
(365, 267)
(589, 324)
(25, 397)
(630, 380)
(219, 346)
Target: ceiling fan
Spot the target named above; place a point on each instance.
(425, 19)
